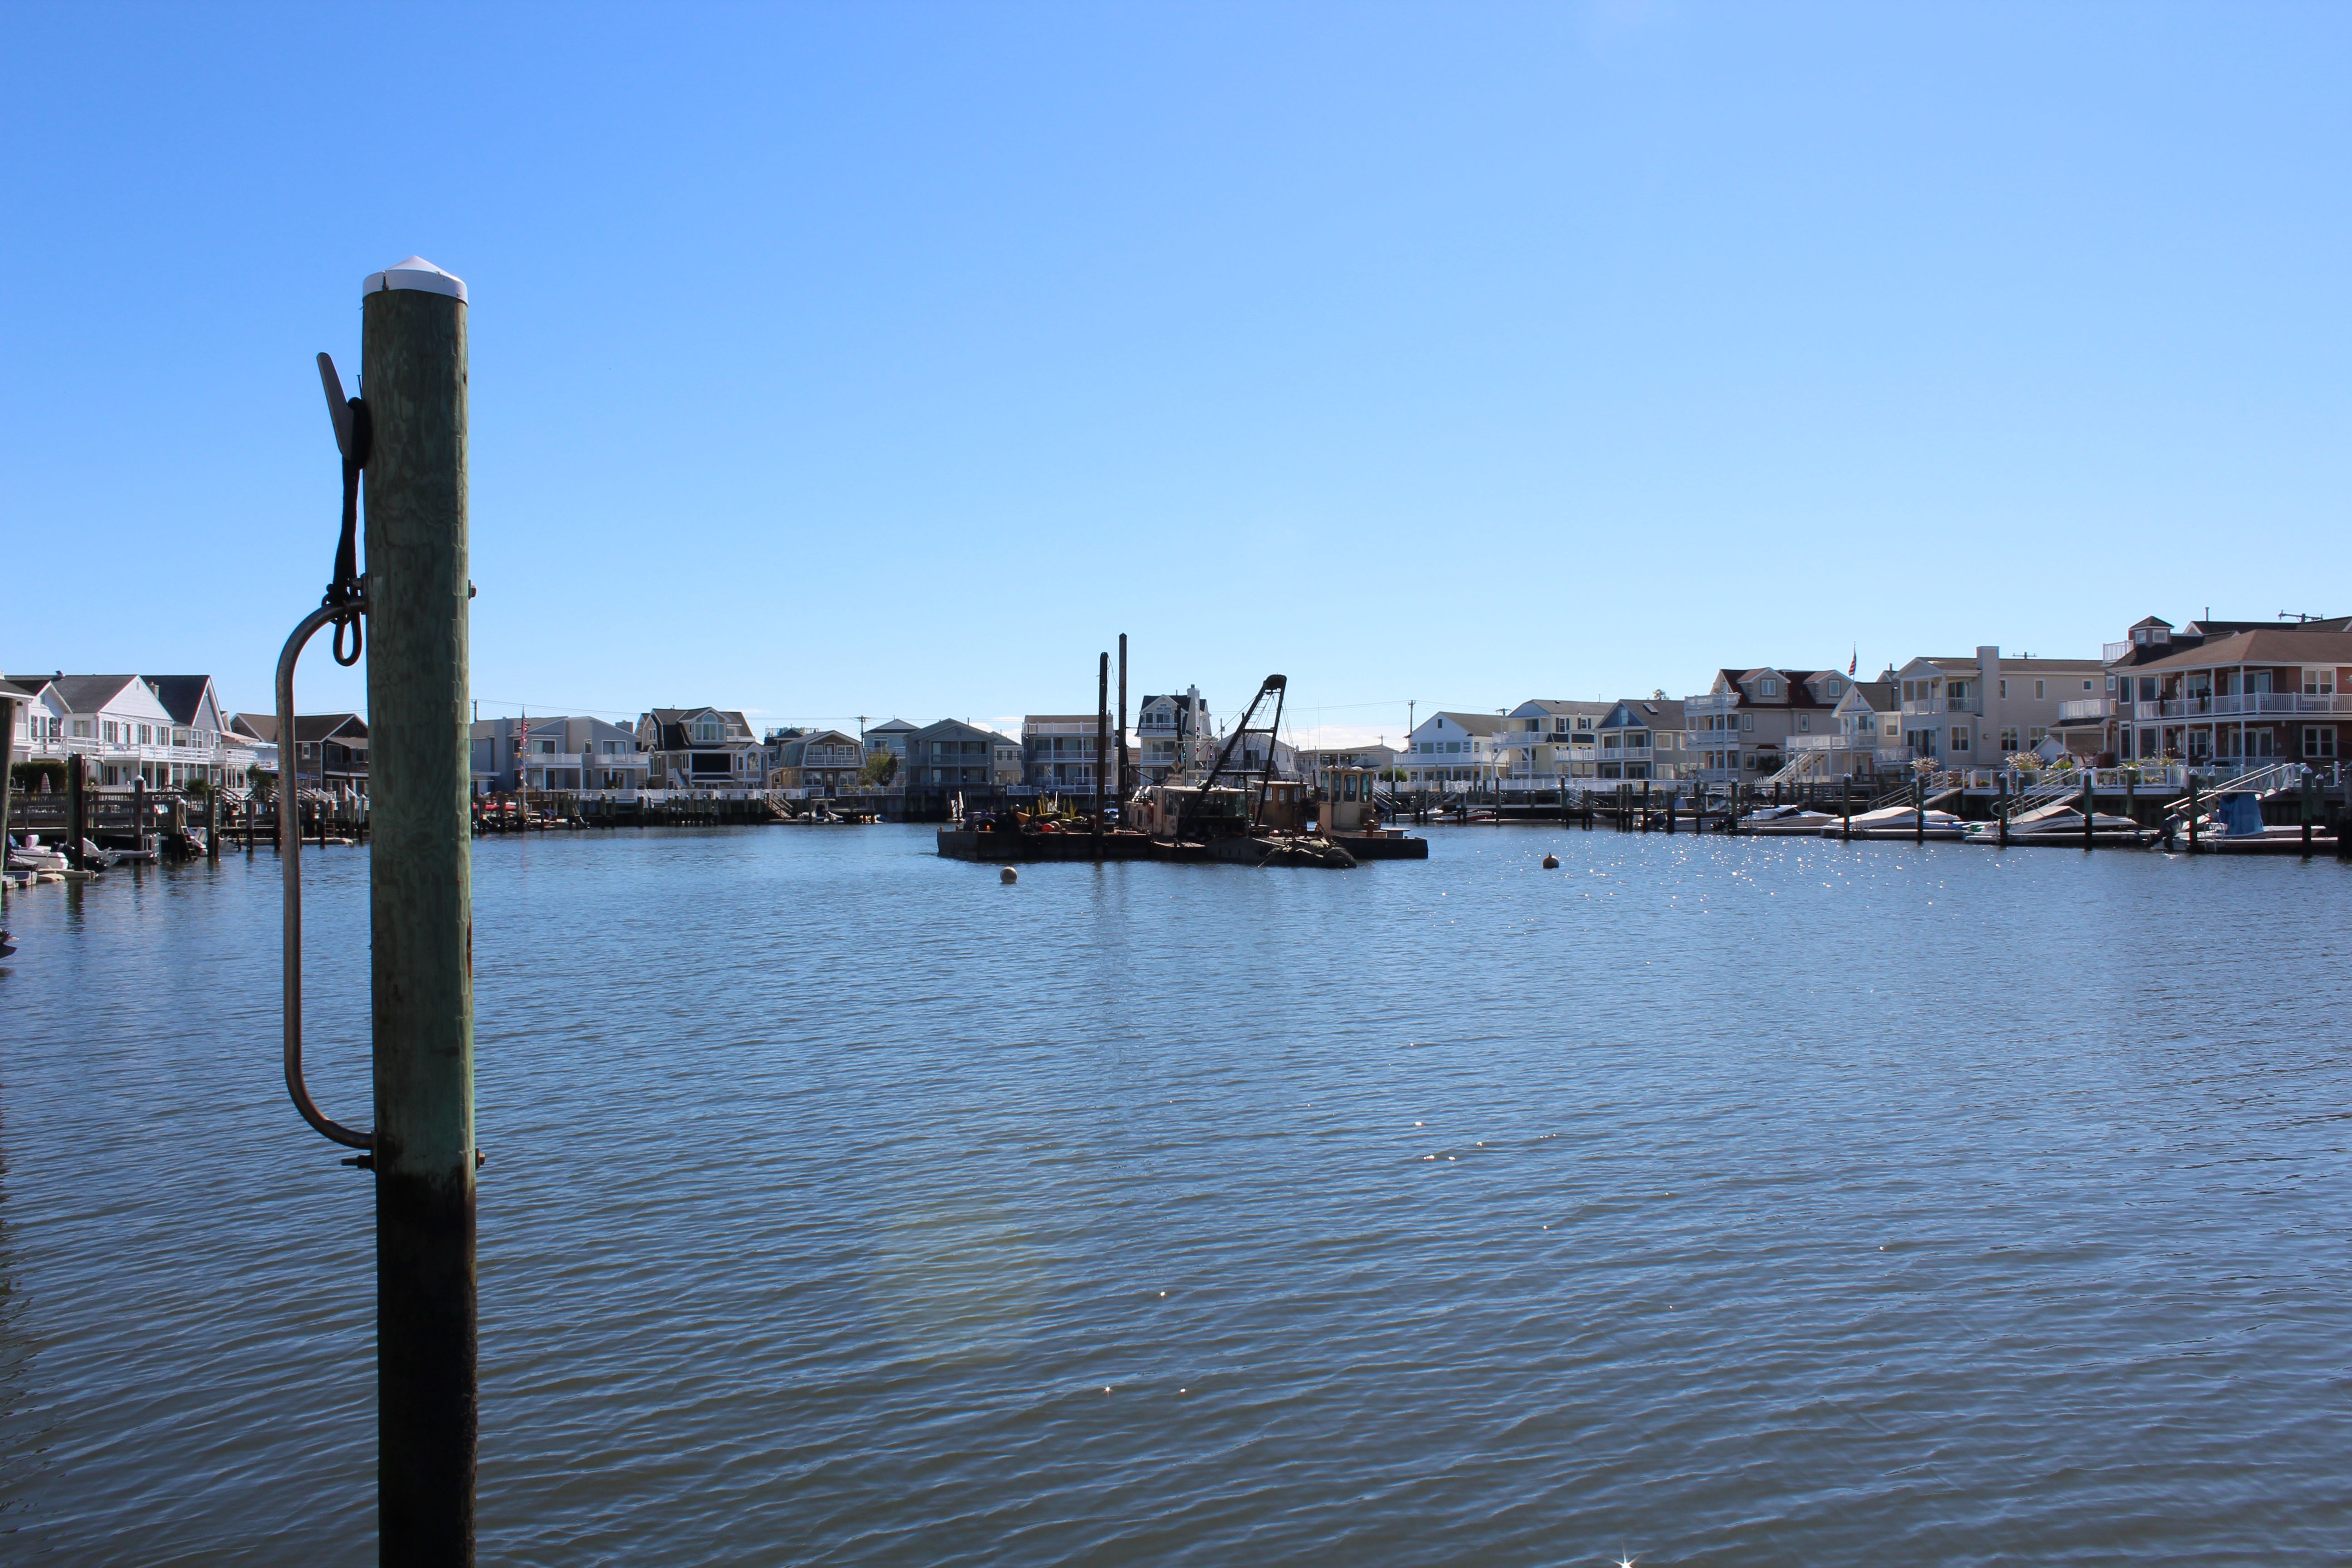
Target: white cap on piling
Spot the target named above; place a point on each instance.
(415, 273)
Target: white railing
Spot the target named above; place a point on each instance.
(2086, 708)
(1943, 705)
(2111, 651)
(2241, 704)
(1713, 702)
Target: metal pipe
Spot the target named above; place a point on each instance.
(289, 869)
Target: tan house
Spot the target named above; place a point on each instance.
(1976, 713)
(1741, 727)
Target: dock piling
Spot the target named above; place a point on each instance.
(413, 356)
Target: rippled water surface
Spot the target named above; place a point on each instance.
(1754, 1201)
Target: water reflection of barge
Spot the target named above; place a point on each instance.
(1243, 822)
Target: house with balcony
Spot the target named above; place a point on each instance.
(1058, 754)
(1645, 738)
(1862, 739)
(700, 749)
(1545, 739)
(823, 763)
(574, 753)
(1449, 752)
(2103, 727)
(951, 757)
(132, 728)
(328, 750)
(1172, 734)
(890, 736)
(1316, 761)
(1741, 726)
(1975, 712)
(2243, 700)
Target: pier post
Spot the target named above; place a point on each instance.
(78, 805)
(1918, 808)
(139, 812)
(7, 764)
(1102, 742)
(2192, 814)
(1124, 787)
(2001, 809)
(412, 358)
(2089, 813)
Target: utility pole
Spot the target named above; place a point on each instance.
(412, 376)
(1122, 717)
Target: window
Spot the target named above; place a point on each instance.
(2040, 690)
(2318, 740)
(146, 734)
(1835, 687)
(1959, 740)
(705, 729)
(2004, 691)
(1747, 721)
(1907, 686)
(1805, 723)
(543, 748)
(2009, 740)
(2036, 735)
(2087, 686)
(1957, 692)
(2319, 682)
(1769, 688)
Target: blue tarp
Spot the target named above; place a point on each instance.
(2240, 813)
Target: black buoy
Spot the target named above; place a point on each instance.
(1008, 876)
(1551, 862)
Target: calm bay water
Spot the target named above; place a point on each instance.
(1756, 1202)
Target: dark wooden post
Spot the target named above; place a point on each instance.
(413, 354)
(78, 805)
(1918, 806)
(1845, 804)
(1125, 783)
(7, 765)
(2090, 812)
(139, 811)
(2192, 813)
(212, 822)
(2310, 807)
(1102, 742)
(2000, 808)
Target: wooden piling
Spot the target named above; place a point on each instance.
(1102, 742)
(8, 766)
(77, 807)
(413, 354)
(1126, 784)
(2090, 813)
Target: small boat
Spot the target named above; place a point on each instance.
(7, 945)
(34, 855)
(1897, 822)
(1787, 819)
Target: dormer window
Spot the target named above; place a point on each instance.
(1768, 688)
(705, 729)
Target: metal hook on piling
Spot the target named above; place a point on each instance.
(289, 856)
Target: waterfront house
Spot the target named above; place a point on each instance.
(2247, 699)
(329, 750)
(952, 755)
(1315, 761)
(1545, 739)
(1742, 725)
(1057, 753)
(1450, 751)
(126, 728)
(560, 751)
(815, 761)
(1172, 733)
(701, 748)
(1976, 713)
(1645, 738)
(2102, 727)
(1862, 739)
(890, 736)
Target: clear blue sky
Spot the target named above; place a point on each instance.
(893, 359)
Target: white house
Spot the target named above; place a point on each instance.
(1449, 752)
(1545, 739)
